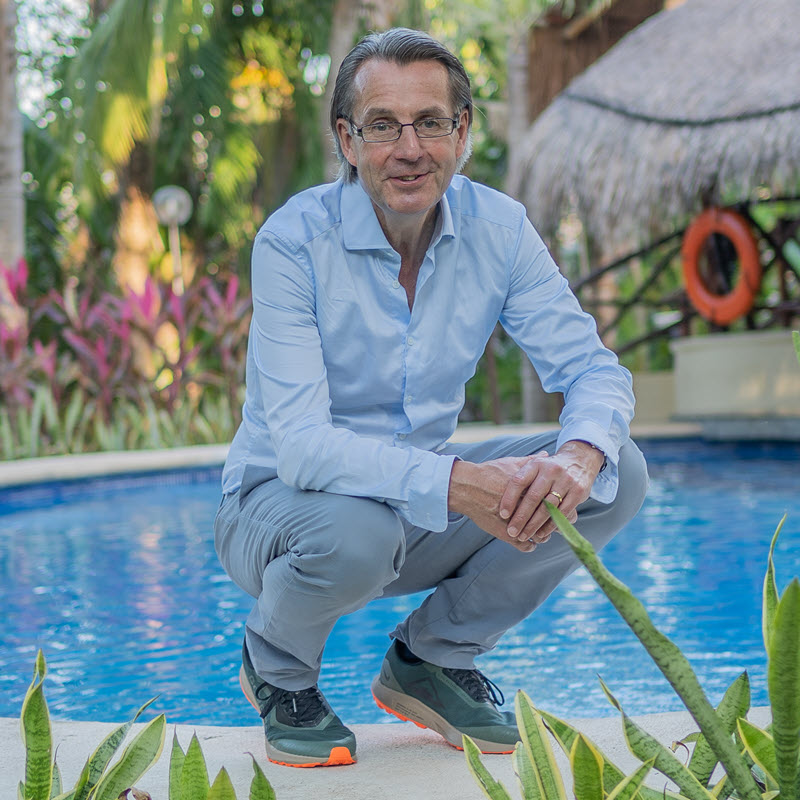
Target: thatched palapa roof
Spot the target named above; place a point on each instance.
(698, 105)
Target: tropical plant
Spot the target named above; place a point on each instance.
(99, 780)
(758, 764)
(87, 369)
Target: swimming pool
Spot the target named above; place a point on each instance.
(117, 580)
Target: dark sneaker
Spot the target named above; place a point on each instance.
(300, 727)
(448, 701)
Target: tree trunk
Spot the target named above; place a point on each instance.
(350, 17)
(535, 404)
(12, 205)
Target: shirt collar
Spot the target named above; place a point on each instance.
(361, 229)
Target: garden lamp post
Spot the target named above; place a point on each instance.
(173, 207)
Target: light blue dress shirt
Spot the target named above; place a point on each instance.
(350, 392)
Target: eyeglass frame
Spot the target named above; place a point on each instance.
(402, 125)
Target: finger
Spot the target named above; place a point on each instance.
(531, 513)
(518, 484)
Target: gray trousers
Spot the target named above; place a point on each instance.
(310, 557)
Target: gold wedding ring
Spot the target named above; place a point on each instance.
(556, 494)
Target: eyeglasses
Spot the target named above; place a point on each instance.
(430, 128)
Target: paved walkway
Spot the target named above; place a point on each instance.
(396, 761)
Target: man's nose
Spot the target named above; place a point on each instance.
(408, 145)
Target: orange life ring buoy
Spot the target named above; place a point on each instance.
(721, 309)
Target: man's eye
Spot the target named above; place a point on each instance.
(380, 127)
(430, 124)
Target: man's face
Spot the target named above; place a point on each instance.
(405, 178)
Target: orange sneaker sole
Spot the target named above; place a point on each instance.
(394, 713)
(339, 757)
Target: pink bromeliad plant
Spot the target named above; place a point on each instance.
(85, 370)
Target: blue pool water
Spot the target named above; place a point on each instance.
(117, 581)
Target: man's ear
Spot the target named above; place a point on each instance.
(461, 132)
(346, 140)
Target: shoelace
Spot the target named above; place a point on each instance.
(476, 685)
(305, 706)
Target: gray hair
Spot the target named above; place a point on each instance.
(400, 46)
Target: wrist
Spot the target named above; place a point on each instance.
(589, 453)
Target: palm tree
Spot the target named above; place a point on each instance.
(165, 91)
(12, 208)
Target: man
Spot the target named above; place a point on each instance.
(373, 300)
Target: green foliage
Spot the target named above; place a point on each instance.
(87, 369)
(99, 779)
(42, 776)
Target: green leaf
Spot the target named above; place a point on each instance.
(137, 758)
(260, 787)
(565, 735)
(783, 681)
(796, 340)
(222, 788)
(56, 787)
(770, 593)
(587, 770)
(99, 760)
(493, 789)
(194, 776)
(537, 746)
(629, 787)
(645, 747)
(37, 737)
(176, 759)
(735, 704)
(761, 748)
(526, 775)
(667, 656)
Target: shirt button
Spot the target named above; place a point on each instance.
(409, 398)
(395, 284)
(401, 436)
(410, 340)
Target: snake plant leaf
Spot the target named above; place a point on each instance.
(537, 746)
(56, 787)
(194, 775)
(136, 759)
(770, 593)
(735, 704)
(493, 789)
(222, 788)
(667, 656)
(761, 748)
(37, 737)
(526, 774)
(629, 787)
(99, 760)
(176, 759)
(587, 770)
(646, 747)
(565, 735)
(783, 682)
(260, 787)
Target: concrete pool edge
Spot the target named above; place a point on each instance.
(394, 760)
(24, 471)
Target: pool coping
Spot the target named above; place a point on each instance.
(90, 465)
(394, 760)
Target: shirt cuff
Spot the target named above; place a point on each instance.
(427, 506)
(604, 488)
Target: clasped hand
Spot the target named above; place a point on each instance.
(506, 496)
